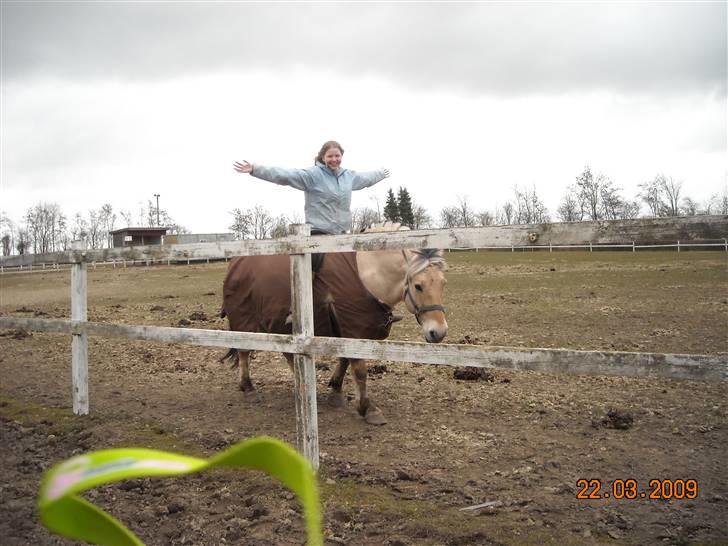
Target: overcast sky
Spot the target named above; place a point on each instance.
(112, 102)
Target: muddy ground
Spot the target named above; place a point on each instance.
(518, 441)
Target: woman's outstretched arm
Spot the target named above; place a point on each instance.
(295, 178)
(366, 179)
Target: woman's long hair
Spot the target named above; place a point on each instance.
(325, 148)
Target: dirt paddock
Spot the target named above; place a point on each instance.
(516, 443)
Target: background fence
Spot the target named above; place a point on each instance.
(306, 347)
(678, 246)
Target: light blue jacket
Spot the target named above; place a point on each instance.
(327, 195)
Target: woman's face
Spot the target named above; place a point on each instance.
(332, 158)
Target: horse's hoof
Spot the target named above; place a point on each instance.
(336, 399)
(375, 417)
(247, 389)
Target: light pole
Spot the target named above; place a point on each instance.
(157, 196)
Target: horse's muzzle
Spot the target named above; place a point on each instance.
(434, 331)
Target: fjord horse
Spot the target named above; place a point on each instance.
(354, 294)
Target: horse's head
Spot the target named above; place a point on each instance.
(424, 286)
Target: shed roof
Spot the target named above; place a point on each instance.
(141, 230)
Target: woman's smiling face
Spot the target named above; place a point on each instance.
(332, 158)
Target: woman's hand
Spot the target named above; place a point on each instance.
(244, 167)
(386, 173)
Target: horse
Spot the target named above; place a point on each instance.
(354, 295)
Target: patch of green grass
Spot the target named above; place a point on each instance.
(430, 519)
(60, 421)
(30, 414)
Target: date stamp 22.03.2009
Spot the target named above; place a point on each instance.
(631, 489)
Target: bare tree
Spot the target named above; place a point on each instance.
(461, 215)
(717, 204)
(279, 227)
(570, 210)
(591, 191)
(507, 215)
(22, 242)
(630, 210)
(690, 207)
(107, 219)
(7, 243)
(651, 194)
(449, 217)
(529, 207)
(422, 219)
(485, 218)
(465, 211)
(126, 217)
(670, 189)
(612, 203)
(261, 222)
(7, 228)
(241, 223)
(79, 229)
(363, 218)
(44, 223)
(95, 232)
(598, 198)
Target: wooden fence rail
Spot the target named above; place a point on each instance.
(708, 368)
(707, 229)
(305, 346)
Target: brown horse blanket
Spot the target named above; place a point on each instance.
(257, 298)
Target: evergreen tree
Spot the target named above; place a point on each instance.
(391, 209)
(404, 203)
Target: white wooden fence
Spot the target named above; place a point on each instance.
(306, 347)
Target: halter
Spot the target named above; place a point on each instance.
(407, 294)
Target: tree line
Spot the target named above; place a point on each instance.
(45, 228)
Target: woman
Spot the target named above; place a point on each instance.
(327, 187)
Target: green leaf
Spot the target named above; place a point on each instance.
(64, 513)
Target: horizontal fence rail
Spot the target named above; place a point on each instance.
(707, 229)
(49, 267)
(631, 364)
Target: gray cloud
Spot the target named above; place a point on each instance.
(484, 48)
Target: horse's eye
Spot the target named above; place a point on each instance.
(418, 287)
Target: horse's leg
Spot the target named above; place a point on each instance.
(371, 413)
(246, 385)
(336, 398)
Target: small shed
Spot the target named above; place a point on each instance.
(138, 236)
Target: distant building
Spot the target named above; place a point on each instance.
(138, 236)
(189, 238)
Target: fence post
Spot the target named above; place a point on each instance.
(678, 246)
(633, 249)
(303, 365)
(725, 241)
(79, 342)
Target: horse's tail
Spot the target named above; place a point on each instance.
(232, 355)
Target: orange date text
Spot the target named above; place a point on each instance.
(629, 489)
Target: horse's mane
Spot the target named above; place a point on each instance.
(422, 258)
